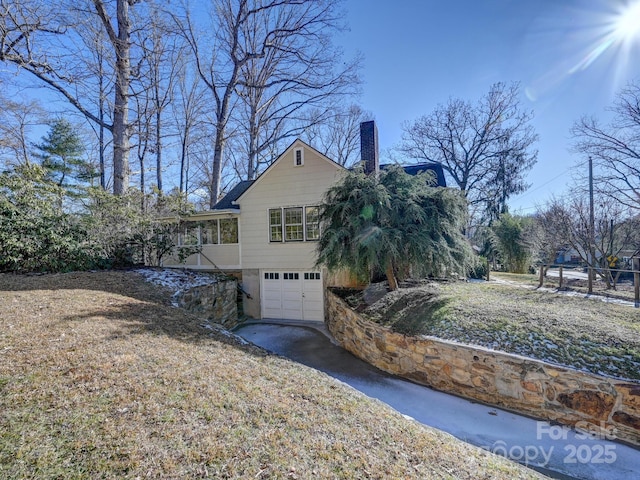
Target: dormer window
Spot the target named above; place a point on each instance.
(298, 157)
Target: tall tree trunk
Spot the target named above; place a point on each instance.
(252, 165)
(121, 43)
(158, 147)
(183, 157)
(216, 173)
(101, 145)
(121, 145)
(142, 180)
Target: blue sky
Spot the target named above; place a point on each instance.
(418, 53)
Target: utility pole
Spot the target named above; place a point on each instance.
(592, 229)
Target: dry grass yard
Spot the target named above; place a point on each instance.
(579, 332)
(101, 378)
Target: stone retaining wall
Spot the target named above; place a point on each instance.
(216, 302)
(520, 384)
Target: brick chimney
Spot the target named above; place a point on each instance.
(369, 147)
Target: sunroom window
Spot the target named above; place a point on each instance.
(209, 232)
(228, 230)
(189, 234)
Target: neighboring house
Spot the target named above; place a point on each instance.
(265, 231)
(568, 255)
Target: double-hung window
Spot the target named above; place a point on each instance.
(275, 225)
(312, 223)
(294, 224)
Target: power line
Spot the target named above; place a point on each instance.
(547, 183)
(553, 179)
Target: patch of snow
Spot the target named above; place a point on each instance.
(567, 293)
(177, 280)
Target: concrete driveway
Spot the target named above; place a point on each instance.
(553, 450)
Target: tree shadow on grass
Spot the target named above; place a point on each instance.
(415, 313)
(411, 310)
(164, 321)
(121, 282)
(115, 303)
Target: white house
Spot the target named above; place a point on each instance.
(265, 231)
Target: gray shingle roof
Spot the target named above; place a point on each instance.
(227, 201)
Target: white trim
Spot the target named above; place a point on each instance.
(283, 225)
(297, 143)
(228, 212)
(295, 157)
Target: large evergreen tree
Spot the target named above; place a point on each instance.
(62, 156)
(395, 223)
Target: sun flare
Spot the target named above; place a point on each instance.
(627, 25)
(602, 36)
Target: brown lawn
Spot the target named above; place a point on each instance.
(101, 378)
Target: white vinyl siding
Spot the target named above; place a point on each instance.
(283, 186)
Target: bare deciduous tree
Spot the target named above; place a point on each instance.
(298, 83)
(189, 117)
(486, 148)
(17, 120)
(566, 222)
(273, 57)
(615, 148)
(153, 89)
(552, 232)
(339, 137)
(42, 38)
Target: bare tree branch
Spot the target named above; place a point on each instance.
(486, 148)
(615, 148)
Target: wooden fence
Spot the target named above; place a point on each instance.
(591, 273)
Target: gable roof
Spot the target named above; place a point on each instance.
(228, 200)
(436, 168)
(283, 155)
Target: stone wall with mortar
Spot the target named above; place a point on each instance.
(217, 302)
(515, 383)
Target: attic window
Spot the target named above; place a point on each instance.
(298, 157)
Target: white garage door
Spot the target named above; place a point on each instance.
(292, 295)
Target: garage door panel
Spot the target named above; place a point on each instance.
(292, 295)
(313, 296)
(272, 295)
